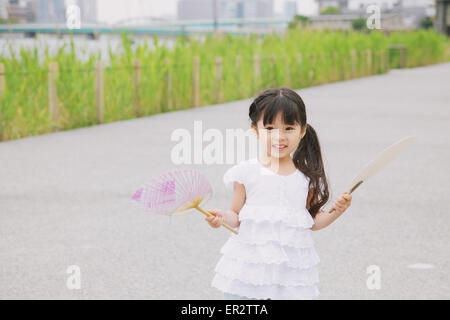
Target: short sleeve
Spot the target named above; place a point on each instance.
(235, 173)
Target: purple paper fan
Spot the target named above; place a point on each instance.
(171, 190)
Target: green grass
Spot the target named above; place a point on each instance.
(25, 104)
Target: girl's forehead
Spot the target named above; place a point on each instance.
(277, 120)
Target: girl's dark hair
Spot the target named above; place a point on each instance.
(307, 157)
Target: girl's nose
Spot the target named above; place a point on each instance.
(279, 136)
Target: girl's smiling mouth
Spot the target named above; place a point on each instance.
(279, 146)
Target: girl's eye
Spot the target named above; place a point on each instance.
(288, 128)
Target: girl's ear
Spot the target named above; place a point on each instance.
(303, 132)
(255, 131)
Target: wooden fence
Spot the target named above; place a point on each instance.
(369, 63)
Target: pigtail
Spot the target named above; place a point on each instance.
(308, 159)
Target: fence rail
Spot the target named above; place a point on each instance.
(340, 67)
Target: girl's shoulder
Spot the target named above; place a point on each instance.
(242, 172)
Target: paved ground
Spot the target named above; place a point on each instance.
(64, 200)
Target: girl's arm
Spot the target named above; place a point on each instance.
(323, 218)
(231, 217)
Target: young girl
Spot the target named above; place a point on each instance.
(276, 204)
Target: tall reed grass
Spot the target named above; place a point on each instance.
(325, 57)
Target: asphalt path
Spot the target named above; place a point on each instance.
(64, 200)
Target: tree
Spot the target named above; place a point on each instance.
(298, 21)
(331, 10)
(426, 23)
(359, 24)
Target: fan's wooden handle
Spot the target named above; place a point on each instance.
(351, 190)
(209, 214)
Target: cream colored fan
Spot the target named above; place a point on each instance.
(379, 163)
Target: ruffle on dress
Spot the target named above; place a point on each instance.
(273, 256)
(289, 216)
(273, 291)
(266, 274)
(270, 253)
(262, 232)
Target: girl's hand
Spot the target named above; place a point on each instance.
(216, 219)
(343, 202)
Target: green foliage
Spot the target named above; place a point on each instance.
(359, 24)
(330, 10)
(299, 21)
(426, 23)
(24, 107)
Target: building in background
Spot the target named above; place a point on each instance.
(194, 9)
(88, 10)
(50, 11)
(351, 6)
(3, 9)
(384, 5)
(387, 5)
(17, 10)
(290, 9)
(396, 14)
(226, 9)
(54, 11)
(442, 21)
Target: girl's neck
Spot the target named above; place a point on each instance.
(276, 164)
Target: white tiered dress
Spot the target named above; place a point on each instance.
(273, 255)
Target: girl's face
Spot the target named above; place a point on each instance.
(279, 138)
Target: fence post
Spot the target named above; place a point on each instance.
(287, 70)
(256, 71)
(403, 57)
(196, 82)
(387, 61)
(53, 95)
(2, 81)
(382, 61)
(369, 61)
(219, 79)
(353, 62)
(402, 48)
(375, 62)
(299, 60)
(99, 96)
(274, 68)
(169, 84)
(344, 67)
(137, 93)
(2, 94)
(335, 66)
(311, 71)
(238, 72)
(238, 61)
(362, 69)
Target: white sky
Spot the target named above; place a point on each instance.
(114, 10)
